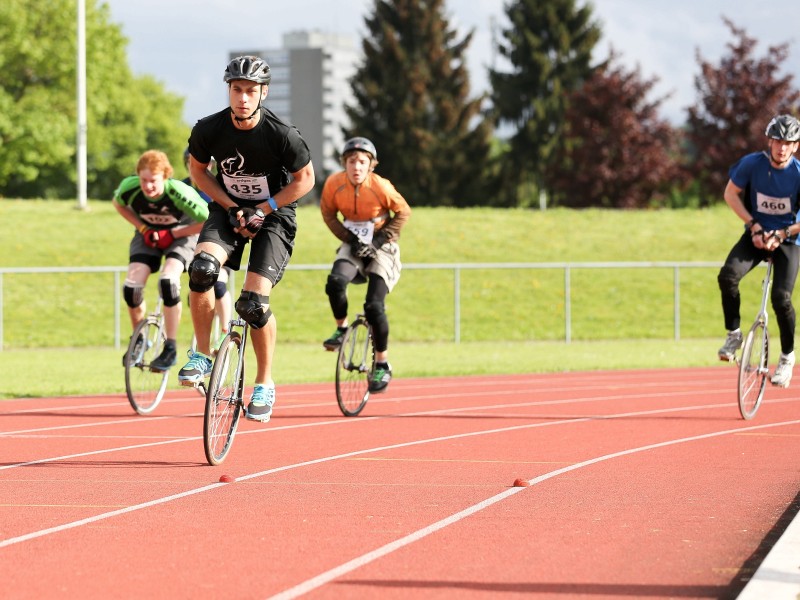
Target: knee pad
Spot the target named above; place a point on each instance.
(251, 307)
(220, 289)
(133, 294)
(375, 313)
(336, 285)
(170, 291)
(203, 272)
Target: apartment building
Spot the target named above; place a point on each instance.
(310, 85)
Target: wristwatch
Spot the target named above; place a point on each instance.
(787, 233)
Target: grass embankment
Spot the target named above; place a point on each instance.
(58, 329)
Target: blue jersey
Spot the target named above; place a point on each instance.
(772, 194)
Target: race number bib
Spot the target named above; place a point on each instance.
(158, 218)
(247, 188)
(773, 206)
(363, 229)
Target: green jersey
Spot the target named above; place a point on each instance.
(180, 204)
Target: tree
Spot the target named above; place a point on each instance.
(411, 99)
(736, 101)
(548, 46)
(617, 152)
(38, 111)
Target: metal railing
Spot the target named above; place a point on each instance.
(456, 268)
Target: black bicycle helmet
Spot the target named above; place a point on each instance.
(360, 143)
(249, 68)
(784, 127)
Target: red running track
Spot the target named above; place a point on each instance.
(643, 484)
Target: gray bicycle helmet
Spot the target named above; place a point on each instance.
(360, 143)
(784, 127)
(249, 68)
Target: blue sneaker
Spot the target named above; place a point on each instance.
(196, 370)
(260, 407)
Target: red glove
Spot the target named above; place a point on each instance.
(165, 239)
(150, 237)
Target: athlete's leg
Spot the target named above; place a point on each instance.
(133, 291)
(223, 303)
(263, 337)
(786, 260)
(742, 258)
(342, 273)
(375, 311)
(203, 273)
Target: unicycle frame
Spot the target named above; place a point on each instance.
(754, 360)
(354, 366)
(137, 367)
(225, 401)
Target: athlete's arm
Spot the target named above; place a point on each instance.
(302, 183)
(130, 216)
(204, 180)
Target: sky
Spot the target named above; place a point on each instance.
(185, 43)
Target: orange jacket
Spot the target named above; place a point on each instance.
(375, 200)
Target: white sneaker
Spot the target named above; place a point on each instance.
(783, 372)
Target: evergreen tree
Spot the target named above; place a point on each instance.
(411, 99)
(737, 99)
(617, 152)
(548, 46)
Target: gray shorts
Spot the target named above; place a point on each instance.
(386, 264)
(181, 248)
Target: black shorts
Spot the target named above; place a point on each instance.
(271, 248)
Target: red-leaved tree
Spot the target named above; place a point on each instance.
(617, 152)
(737, 99)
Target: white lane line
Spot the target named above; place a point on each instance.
(155, 502)
(360, 561)
(460, 395)
(341, 421)
(338, 421)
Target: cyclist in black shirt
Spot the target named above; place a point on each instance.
(264, 167)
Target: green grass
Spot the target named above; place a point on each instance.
(58, 329)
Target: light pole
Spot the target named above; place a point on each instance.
(81, 112)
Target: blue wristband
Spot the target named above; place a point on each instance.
(273, 205)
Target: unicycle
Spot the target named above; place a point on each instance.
(225, 394)
(754, 362)
(145, 386)
(354, 367)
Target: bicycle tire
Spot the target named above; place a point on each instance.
(753, 370)
(224, 400)
(145, 387)
(353, 368)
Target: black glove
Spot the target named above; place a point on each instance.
(359, 248)
(253, 217)
(380, 238)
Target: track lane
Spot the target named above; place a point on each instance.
(479, 455)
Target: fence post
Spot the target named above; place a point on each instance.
(457, 306)
(1, 312)
(677, 286)
(567, 306)
(116, 310)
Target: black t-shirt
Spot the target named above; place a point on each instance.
(253, 164)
